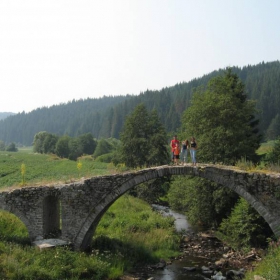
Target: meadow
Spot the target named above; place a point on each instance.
(41, 169)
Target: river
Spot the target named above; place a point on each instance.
(177, 270)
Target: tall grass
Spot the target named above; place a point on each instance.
(269, 268)
(131, 221)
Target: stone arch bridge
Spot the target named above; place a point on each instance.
(73, 211)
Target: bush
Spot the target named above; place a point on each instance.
(105, 158)
(274, 156)
(244, 227)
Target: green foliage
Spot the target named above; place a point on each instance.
(265, 147)
(87, 143)
(2, 145)
(62, 146)
(12, 229)
(244, 227)
(136, 232)
(274, 155)
(269, 267)
(245, 164)
(105, 158)
(143, 139)
(75, 149)
(65, 146)
(205, 203)
(273, 131)
(18, 262)
(103, 147)
(153, 190)
(49, 143)
(12, 147)
(221, 118)
(38, 141)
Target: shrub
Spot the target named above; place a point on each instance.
(269, 268)
(244, 227)
(105, 158)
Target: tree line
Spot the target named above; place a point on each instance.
(105, 117)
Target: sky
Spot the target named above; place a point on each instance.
(54, 51)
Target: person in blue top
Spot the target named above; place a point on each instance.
(184, 151)
(193, 148)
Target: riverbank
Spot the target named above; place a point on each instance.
(198, 247)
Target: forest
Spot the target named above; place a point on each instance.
(105, 117)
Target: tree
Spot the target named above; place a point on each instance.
(62, 147)
(273, 130)
(244, 227)
(222, 119)
(11, 147)
(103, 147)
(44, 142)
(75, 149)
(49, 143)
(274, 155)
(2, 145)
(143, 139)
(38, 141)
(87, 143)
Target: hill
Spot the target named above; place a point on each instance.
(104, 117)
(4, 115)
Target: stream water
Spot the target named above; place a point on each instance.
(176, 270)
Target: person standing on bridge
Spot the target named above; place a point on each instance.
(193, 148)
(173, 143)
(184, 151)
(176, 154)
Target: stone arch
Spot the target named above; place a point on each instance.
(226, 178)
(20, 216)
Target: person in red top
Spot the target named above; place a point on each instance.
(176, 154)
(173, 143)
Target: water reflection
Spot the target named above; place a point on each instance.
(181, 223)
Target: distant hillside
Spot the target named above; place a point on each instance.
(104, 117)
(4, 115)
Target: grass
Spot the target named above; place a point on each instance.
(42, 169)
(269, 268)
(140, 226)
(265, 147)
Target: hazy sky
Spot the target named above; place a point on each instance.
(54, 51)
